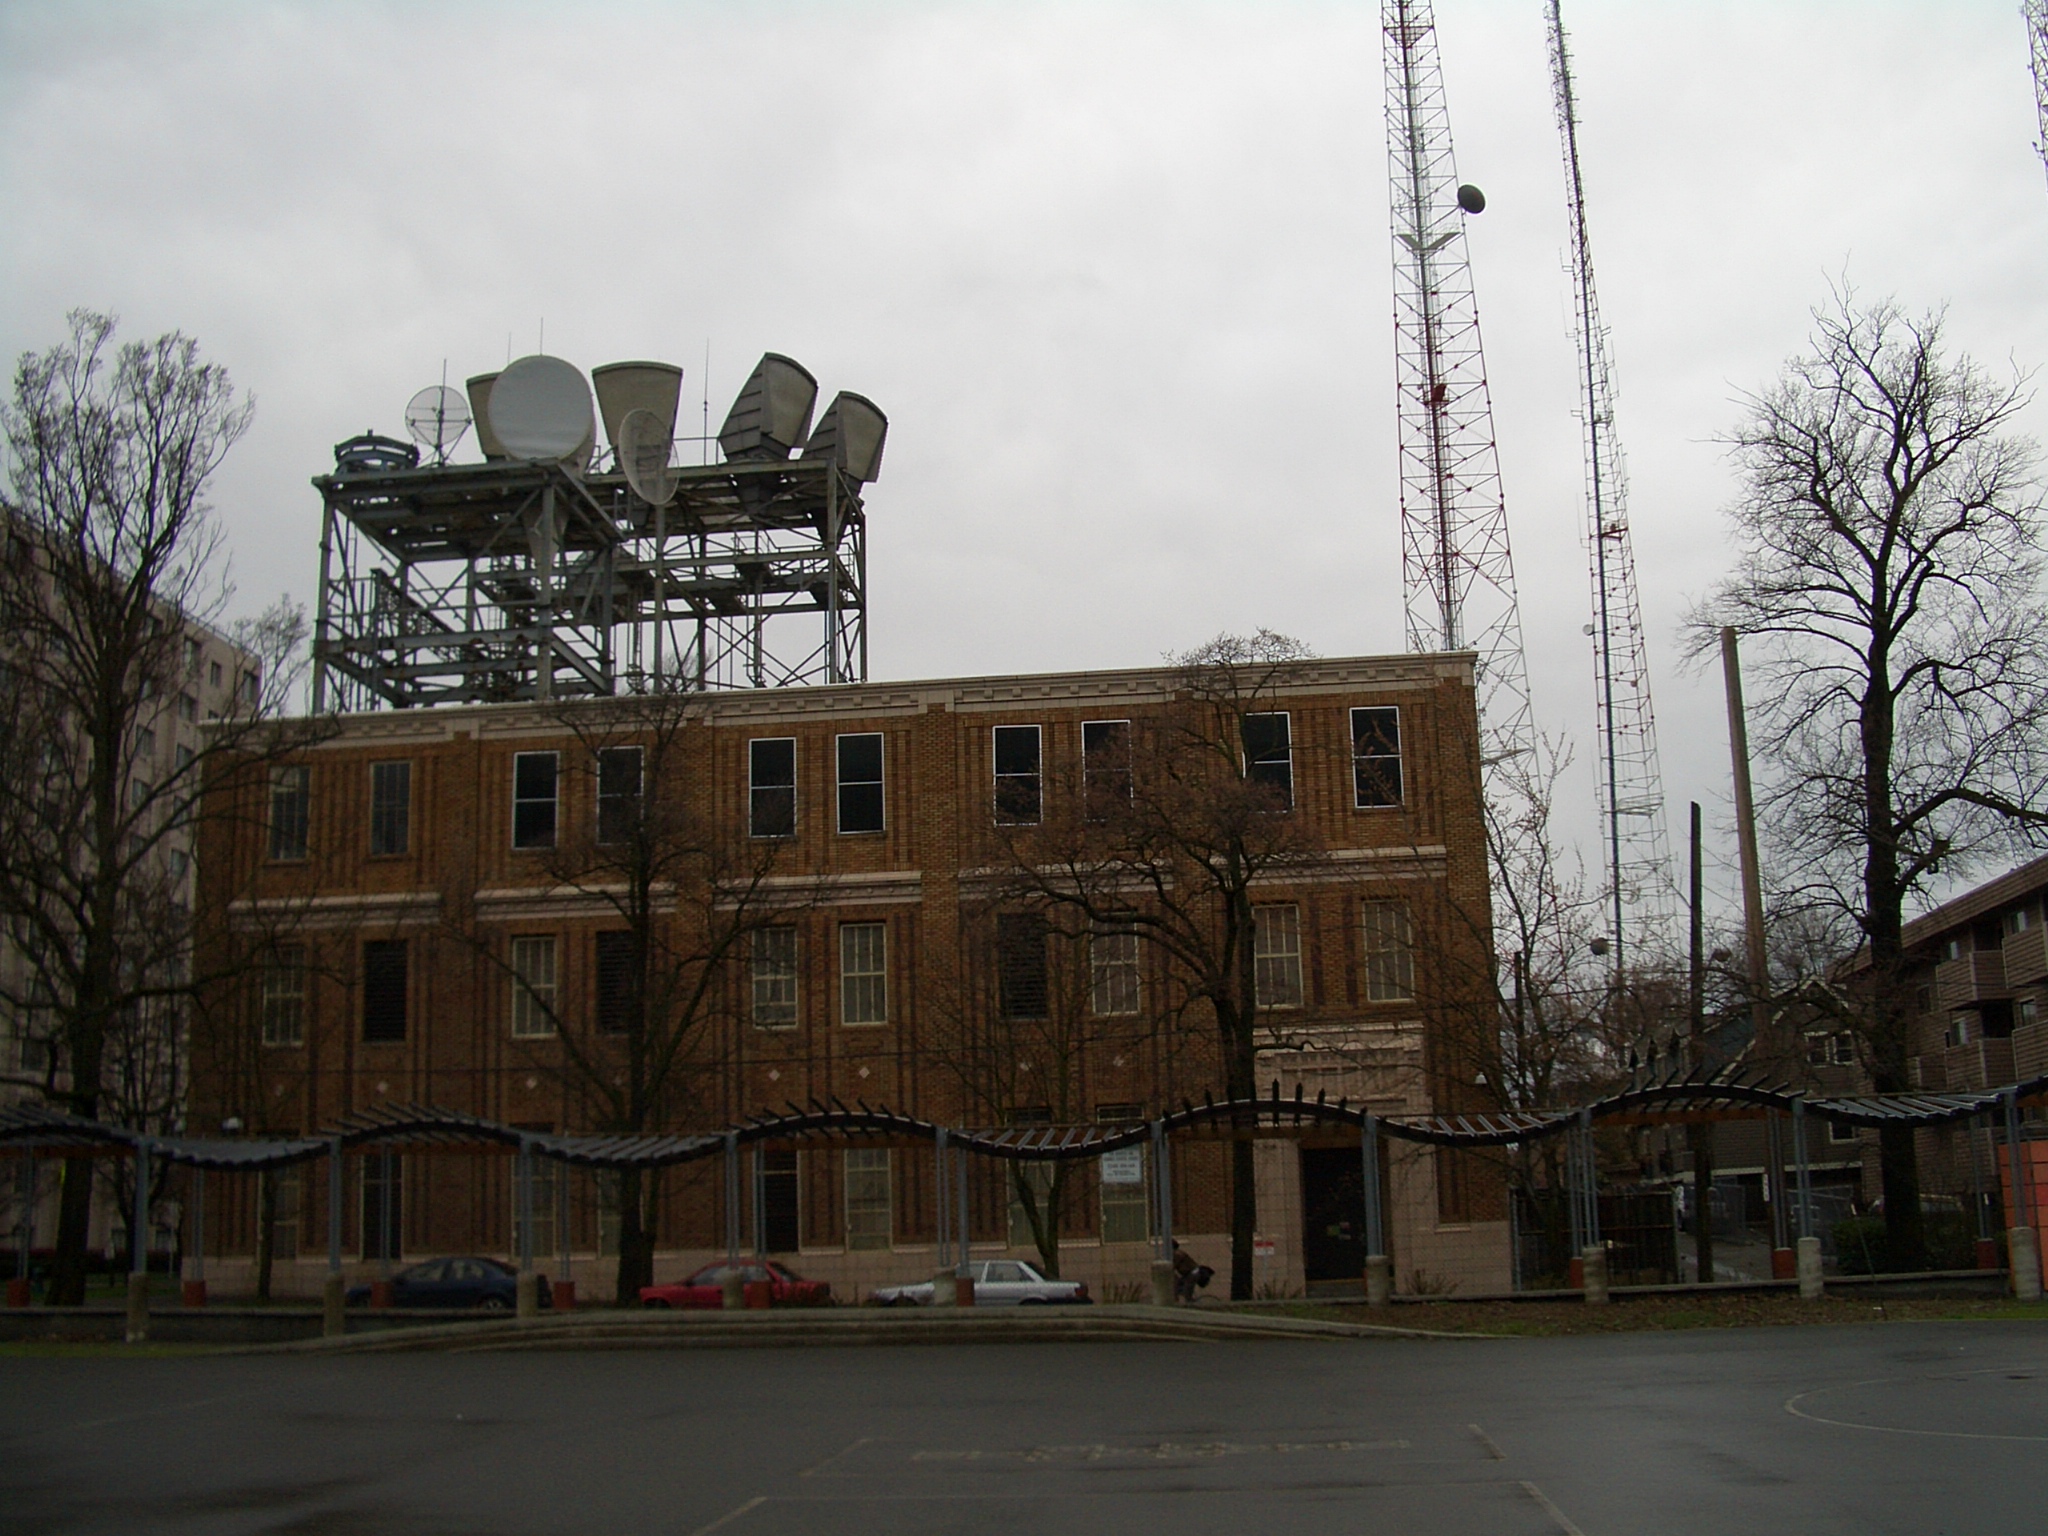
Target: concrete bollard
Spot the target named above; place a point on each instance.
(942, 1287)
(138, 1307)
(526, 1295)
(1594, 1262)
(1379, 1280)
(1162, 1282)
(1809, 1269)
(2025, 1256)
(733, 1291)
(333, 1317)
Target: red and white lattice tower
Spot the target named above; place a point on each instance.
(2036, 13)
(1458, 574)
(1635, 855)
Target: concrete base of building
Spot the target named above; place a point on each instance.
(138, 1308)
(526, 1294)
(1162, 1283)
(1379, 1280)
(333, 1295)
(2024, 1255)
(1593, 1263)
(1809, 1269)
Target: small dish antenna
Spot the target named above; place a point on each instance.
(437, 417)
(646, 456)
(540, 409)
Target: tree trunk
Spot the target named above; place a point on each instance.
(636, 1236)
(74, 1230)
(1244, 1218)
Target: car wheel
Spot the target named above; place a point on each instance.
(494, 1304)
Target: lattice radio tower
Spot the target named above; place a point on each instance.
(1457, 571)
(2036, 14)
(1631, 790)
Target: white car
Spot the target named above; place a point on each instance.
(997, 1283)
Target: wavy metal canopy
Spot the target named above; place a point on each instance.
(28, 1130)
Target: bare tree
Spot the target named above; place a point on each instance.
(110, 557)
(1024, 1026)
(1888, 582)
(1167, 839)
(687, 891)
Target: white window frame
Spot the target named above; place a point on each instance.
(1036, 777)
(774, 978)
(1386, 933)
(755, 789)
(870, 1216)
(1251, 768)
(535, 959)
(863, 975)
(1277, 980)
(1360, 759)
(1116, 983)
(283, 1001)
(553, 801)
(880, 783)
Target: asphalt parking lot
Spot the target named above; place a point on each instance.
(1903, 1427)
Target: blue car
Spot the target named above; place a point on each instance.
(470, 1282)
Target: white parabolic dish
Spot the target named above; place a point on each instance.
(645, 449)
(540, 408)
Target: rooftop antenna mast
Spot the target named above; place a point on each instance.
(1458, 574)
(1631, 789)
(2036, 14)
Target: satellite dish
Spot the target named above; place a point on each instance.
(646, 446)
(540, 409)
(1471, 199)
(850, 434)
(437, 417)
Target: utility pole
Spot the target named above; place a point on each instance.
(1699, 1136)
(1745, 842)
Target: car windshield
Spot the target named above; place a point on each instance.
(423, 1274)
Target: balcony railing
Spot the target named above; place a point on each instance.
(2026, 955)
(1973, 978)
(1980, 1064)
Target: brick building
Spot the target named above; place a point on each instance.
(415, 935)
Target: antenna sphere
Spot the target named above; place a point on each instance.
(540, 408)
(1471, 199)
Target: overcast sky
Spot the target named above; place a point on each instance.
(1119, 273)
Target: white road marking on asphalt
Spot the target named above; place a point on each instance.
(730, 1516)
(1551, 1510)
(1487, 1440)
(1165, 1451)
(821, 1466)
(1792, 1407)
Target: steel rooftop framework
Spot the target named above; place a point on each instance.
(516, 580)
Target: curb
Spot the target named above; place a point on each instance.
(791, 1329)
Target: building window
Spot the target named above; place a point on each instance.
(213, 674)
(1020, 965)
(291, 804)
(771, 793)
(192, 655)
(188, 709)
(860, 783)
(384, 977)
(533, 987)
(2018, 921)
(618, 793)
(383, 1206)
(1105, 766)
(1269, 754)
(1126, 1213)
(863, 973)
(1389, 949)
(1113, 973)
(618, 980)
(1019, 782)
(2026, 1012)
(1276, 956)
(286, 1193)
(252, 689)
(1375, 757)
(780, 1225)
(870, 1221)
(1841, 1133)
(543, 1171)
(284, 998)
(774, 976)
(536, 779)
(390, 807)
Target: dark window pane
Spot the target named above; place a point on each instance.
(779, 1202)
(771, 773)
(390, 807)
(1376, 756)
(1018, 785)
(860, 783)
(1268, 754)
(618, 980)
(1106, 765)
(1020, 964)
(384, 971)
(533, 799)
(618, 793)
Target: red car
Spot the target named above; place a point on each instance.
(706, 1288)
